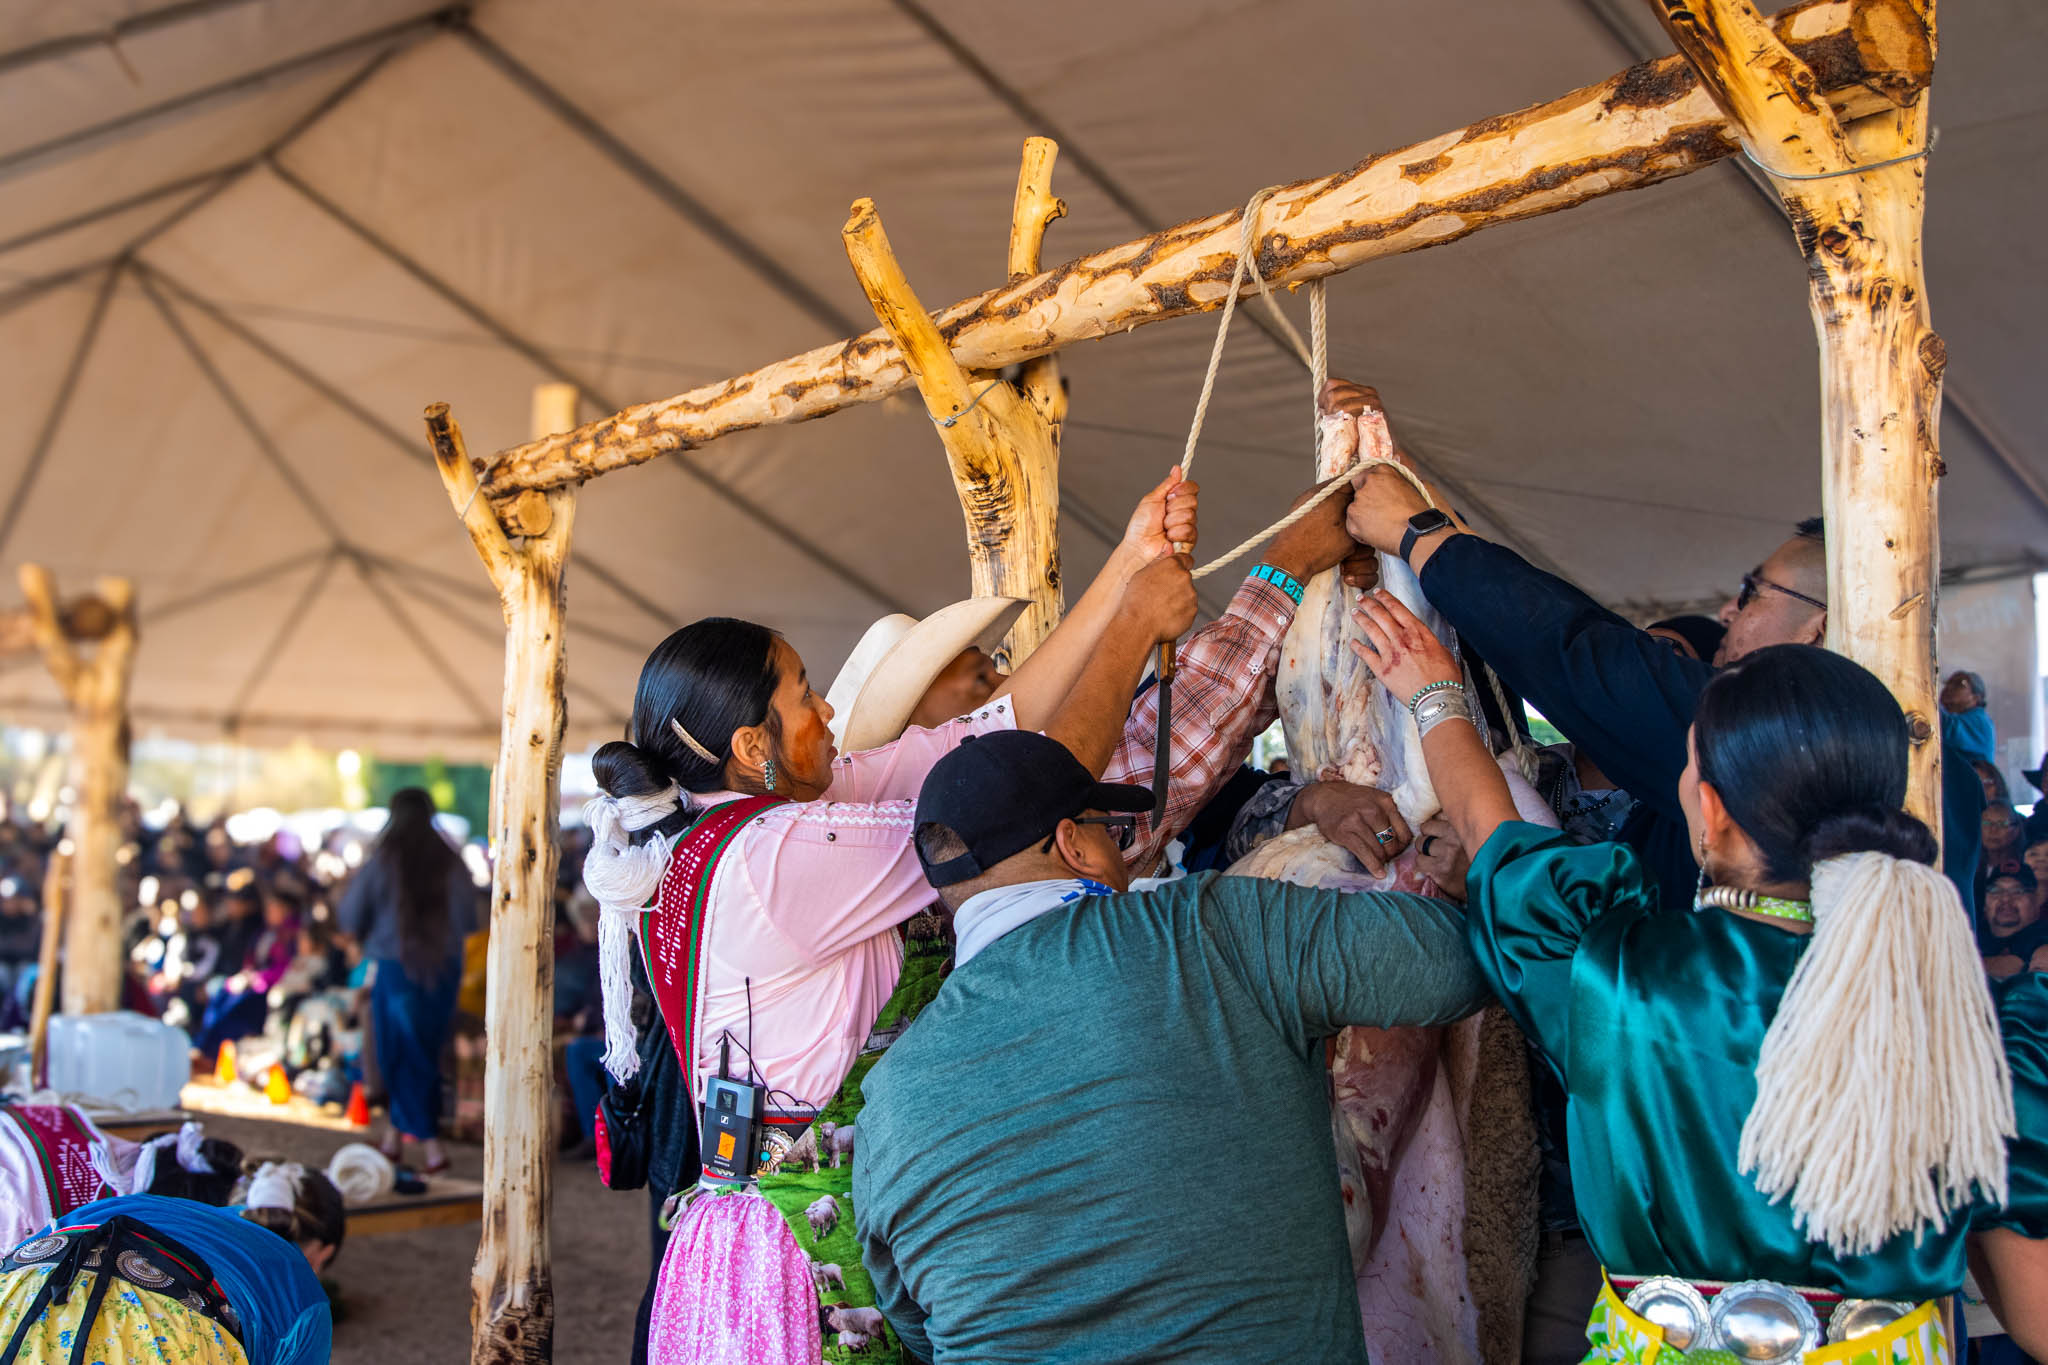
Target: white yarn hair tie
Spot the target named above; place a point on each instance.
(622, 875)
(189, 1136)
(183, 1144)
(1883, 1096)
(275, 1186)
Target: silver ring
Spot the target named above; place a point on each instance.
(1384, 834)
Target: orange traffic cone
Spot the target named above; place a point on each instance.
(358, 1107)
(224, 1064)
(278, 1088)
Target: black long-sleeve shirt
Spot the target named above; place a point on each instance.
(1626, 698)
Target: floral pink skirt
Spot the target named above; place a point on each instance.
(735, 1289)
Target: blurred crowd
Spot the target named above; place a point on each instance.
(240, 941)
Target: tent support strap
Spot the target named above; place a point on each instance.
(1880, 358)
(512, 1286)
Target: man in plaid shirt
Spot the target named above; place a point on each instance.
(1222, 699)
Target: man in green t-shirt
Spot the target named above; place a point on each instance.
(1108, 1138)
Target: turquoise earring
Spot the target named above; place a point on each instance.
(768, 774)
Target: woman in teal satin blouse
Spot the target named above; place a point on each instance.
(1866, 1088)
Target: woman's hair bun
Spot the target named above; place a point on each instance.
(212, 1186)
(1873, 829)
(624, 769)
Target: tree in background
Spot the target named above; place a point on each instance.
(462, 789)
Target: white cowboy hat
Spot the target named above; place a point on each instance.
(896, 661)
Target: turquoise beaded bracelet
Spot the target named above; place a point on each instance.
(1444, 686)
(1280, 579)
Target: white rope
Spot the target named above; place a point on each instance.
(1318, 347)
(1883, 1097)
(1316, 355)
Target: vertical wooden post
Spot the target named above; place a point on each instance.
(1002, 439)
(97, 691)
(512, 1312)
(56, 899)
(1881, 359)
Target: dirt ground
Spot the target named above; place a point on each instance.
(403, 1299)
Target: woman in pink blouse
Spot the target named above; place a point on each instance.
(784, 932)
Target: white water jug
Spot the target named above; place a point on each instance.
(122, 1058)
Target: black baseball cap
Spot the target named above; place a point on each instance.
(1003, 792)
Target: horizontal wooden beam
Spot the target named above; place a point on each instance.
(1645, 125)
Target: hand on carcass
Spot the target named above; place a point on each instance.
(1402, 652)
(1158, 601)
(1442, 858)
(1384, 500)
(1354, 818)
(1318, 541)
(1164, 520)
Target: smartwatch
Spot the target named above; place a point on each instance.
(1425, 522)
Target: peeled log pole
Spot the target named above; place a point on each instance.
(1881, 359)
(1002, 440)
(1650, 123)
(56, 896)
(512, 1312)
(96, 690)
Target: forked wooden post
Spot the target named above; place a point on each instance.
(1880, 358)
(1644, 125)
(96, 690)
(1002, 439)
(512, 1312)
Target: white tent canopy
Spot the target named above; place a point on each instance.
(244, 242)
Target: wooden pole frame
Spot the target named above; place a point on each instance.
(512, 1312)
(1645, 125)
(95, 691)
(1002, 439)
(1843, 81)
(1880, 357)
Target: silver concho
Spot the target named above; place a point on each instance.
(38, 1249)
(1765, 1322)
(135, 1268)
(1673, 1305)
(1860, 1317)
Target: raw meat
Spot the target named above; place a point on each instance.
(1397, 1126)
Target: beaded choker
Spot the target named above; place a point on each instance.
(1735, 898)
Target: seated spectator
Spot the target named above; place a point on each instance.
(2003, 834)
(191, 959)
(21, 939)
(239, 1008)
(1993, 780)
(2037, 818)
(1143, 1058)
(2014, 936)
(1965, 723)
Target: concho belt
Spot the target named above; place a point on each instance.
(1755, 1320)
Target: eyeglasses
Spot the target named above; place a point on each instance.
(1752, 584)
(1122, 828)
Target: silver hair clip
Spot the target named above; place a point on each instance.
(686, 737)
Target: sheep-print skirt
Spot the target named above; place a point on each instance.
(738, 1285)
(116, 1293)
